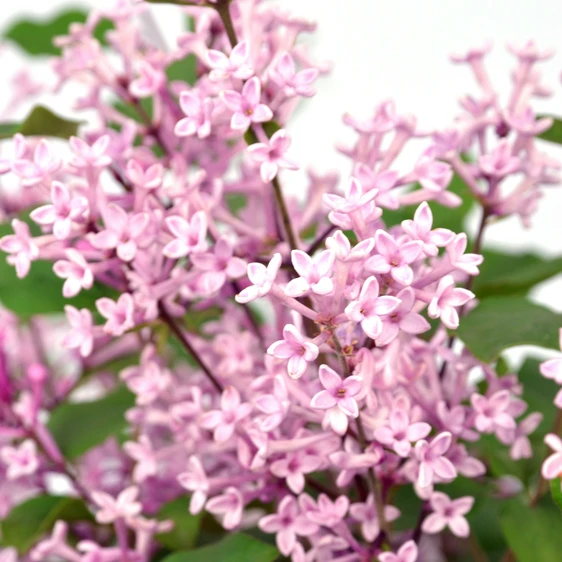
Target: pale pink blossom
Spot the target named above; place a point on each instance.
(236, 65)
(262, 279)
(272, 156)
(195, 480)
(80, 335)
(21, 460)
(432, 461)
(296, 349)
(315, 274)
(366, 514)
(198, 112)
(246, 105)
(229, 506)
(119, 314)
(447, 298)
(21, 247)
(190, 236)
(552, 466)
(408, 552)
(124, 506)
(448, 513)
(293, 83)
(76, 271)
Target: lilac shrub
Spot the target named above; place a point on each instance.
(236, 367)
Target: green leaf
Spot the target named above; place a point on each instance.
(554, 134)
(233, 548)
(184, 69)
(498, 323)
(41, 122)
(186, 526)
(443, 217)
(533, 534)
(77, 427)
(35, 36)
(28, 521)
(507, 274)
(556, 491)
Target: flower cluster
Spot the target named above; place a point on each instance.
(313, 372)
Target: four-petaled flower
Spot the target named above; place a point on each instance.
(432, 461)
(492, 413)
(124, 506)
(262, 279)
(229, 505)
(446, 298)
(448, 513)
(236, 65)
(195, 480)
(21, 461)
(76, 271)
(271, 156)
(314, 274)
(294, 83)
(246, 105)
(21, 247)
(190, 236)
(400, 432)
(366, 514)
(337, 398)
(80, 336)
(198, 112)
(296, 349)
(119, 315)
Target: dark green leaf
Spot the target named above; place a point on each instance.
(556, 491)
(554, 134)
(139, 113)
(533, 534)
(28, 521)
(443, 217)
(35, 36)
(505, 274)
(235, 202)
(233, 548)
(498, 323)
(79, 427)
(186, 526)
(41, 122)
(184, 69)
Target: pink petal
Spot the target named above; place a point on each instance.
(323, 400)
(329, 379)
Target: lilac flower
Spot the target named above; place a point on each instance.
(86, 156)
(402, 318)
(229, 505)
(149, 81)
(81, 336)
(198, 113)
(400, 433)
(224, 421)
(355, 198)
(552, 368)
(274, 406)
(464, 262)
(287, 523)
(149, 179)
(246, 105)
(448, 513)
(294, 466)
(394, 257)
(21, 461)
(55, 544)
(63, 212)
(271, 156)
(408, 552)
(189, 235)
(432, 461)
(520, 445)
(328, 513)
(124, 506)
(195, 480)
(293, 83)
(76, 271)
(8, 555)
(433, 175)
(552, 466)
(44, 165)
(122, 232)
(262, 279)
(366, 514)
(314, 274)
(420, 229)
(491, 413)
(446, 298)
(236, 65)
(296, 349)
(143, 453)
(341, 247)
(337, 398)
(119, 315)
(369, 307)
(21, 247)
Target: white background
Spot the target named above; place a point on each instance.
(399, 49)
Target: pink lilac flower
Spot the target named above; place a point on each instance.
(274, 406)
(448, 513)
(143, 453)
(287, 523)
(369, 308)
(246, 105)
(86, 156)
(521, 447)
(339, 244)
(21, 461)
(81, 334)
(190, 236)
(552, 368)
(198, 113)
(552, 466)
(272, 156)
(420, 229)
(327, 512)
(355, 198)
(500, 162)
(119, 315)
(236, 65)
(492, 413)
(55, 544)
(293, 83)
(21, 248)
(8, 555)
(408, 552)
(63, 211)
(400, 432)
(124, 506)
(44, 165)
(366, 514)
(296, 349)
(394, 257)
(148, 179)
(76, 271)
(195, 481)
(464, 262)
(293, 468)
(432, 461)
(337, 398)
(229, 505)
(149, 81)
(314, 274)
(262, 279)
(122, 232)
(224, 421)
(447, 298)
